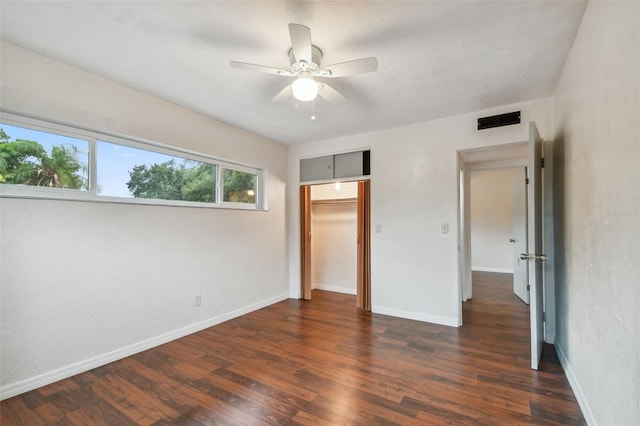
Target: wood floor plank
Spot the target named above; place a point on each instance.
(140, 406)
(323, 362)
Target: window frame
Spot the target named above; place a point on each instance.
(91, 194)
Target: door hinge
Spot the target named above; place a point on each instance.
(528, 287)
(526, 181)
(542, 163)
(544, 315)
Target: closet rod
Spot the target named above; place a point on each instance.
(335, 201)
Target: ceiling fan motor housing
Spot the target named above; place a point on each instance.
(316, 59)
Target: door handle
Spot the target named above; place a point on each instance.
(527, 256)
(512, 240)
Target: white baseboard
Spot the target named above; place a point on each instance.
(47, 378)
(489, 269)
(575, 386)
(334, 288)
(295, 294)
(434, 319)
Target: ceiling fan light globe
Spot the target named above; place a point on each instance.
(305, 89)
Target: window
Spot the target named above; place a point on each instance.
(46, 160)
(239, 187)
(124, 171)
(37, 158)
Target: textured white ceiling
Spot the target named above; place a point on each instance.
(436, 59)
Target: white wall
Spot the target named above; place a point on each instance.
(597, 153)
(86, 283)
(492, 220)
(414, 268)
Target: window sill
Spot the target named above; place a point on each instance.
(60, 194)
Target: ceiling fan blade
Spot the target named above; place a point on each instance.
(259, 68)
(300, 42)
(283, 95)
(343, 69)
(331, 94)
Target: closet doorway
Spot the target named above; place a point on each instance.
(335, 239)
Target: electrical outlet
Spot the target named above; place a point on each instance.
(198, 300)
(444, 228)
(378, 228)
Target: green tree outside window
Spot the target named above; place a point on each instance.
(26, 162)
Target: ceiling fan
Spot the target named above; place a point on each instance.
(305, 61)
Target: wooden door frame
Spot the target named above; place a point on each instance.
(364, 244)
(305, 241)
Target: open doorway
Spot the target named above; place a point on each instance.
(498, 225)
(539, 232)
(335, 239)
(334, 230)
(471, 163)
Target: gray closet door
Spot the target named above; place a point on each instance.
(316, 168)
(348, 165)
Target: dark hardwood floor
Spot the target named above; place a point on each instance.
(324, 363)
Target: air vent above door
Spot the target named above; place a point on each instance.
(499, 120)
